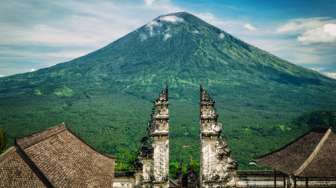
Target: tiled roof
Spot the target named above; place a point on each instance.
(311, 155)
(14, 171)
(61, 159)
(322, 161)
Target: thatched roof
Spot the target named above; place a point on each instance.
(311, 155)
(59, 159)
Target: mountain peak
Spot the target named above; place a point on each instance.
(175, 17)
(170, 18)
(181, 14)
(178, 23)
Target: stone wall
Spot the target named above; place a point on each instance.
(124, 182)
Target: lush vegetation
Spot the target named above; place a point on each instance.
(106, 96)
(2, 140)
(317, 119)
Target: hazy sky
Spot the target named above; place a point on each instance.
(41, 33)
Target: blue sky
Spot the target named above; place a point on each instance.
(40, 33)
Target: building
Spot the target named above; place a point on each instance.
(55, 157)
(308, 158)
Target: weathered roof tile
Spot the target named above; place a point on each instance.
(58, 157)
(14, 172)
(311, 155)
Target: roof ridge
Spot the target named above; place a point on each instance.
(314, 153)
(259, 158)
(10, 149)
(37, 137)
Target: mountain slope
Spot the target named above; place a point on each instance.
(106, 95)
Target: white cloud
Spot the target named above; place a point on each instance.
(149, 2)
(71, 28)
(51, 35)
(151, 25)
(212, 19)
(154, 24)
(331, 74)
(195, 31)
(89, 24)
(250, 27)
(311, 30)
(326, 73)
(143, 37)
(302, 24)
(330, 29)
(268, 39)
(166, 36)
(233, 26)
(316, 69)
(2, 75)
(171, 19)
(324, 34)
(79, 27)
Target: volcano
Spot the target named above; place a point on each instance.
(105, 96)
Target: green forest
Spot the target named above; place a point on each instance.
(105, 97)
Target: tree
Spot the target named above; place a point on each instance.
(2, 140)
(317, 119)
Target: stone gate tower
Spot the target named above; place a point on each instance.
(159, 134)
(218, 169)
(153, 162)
